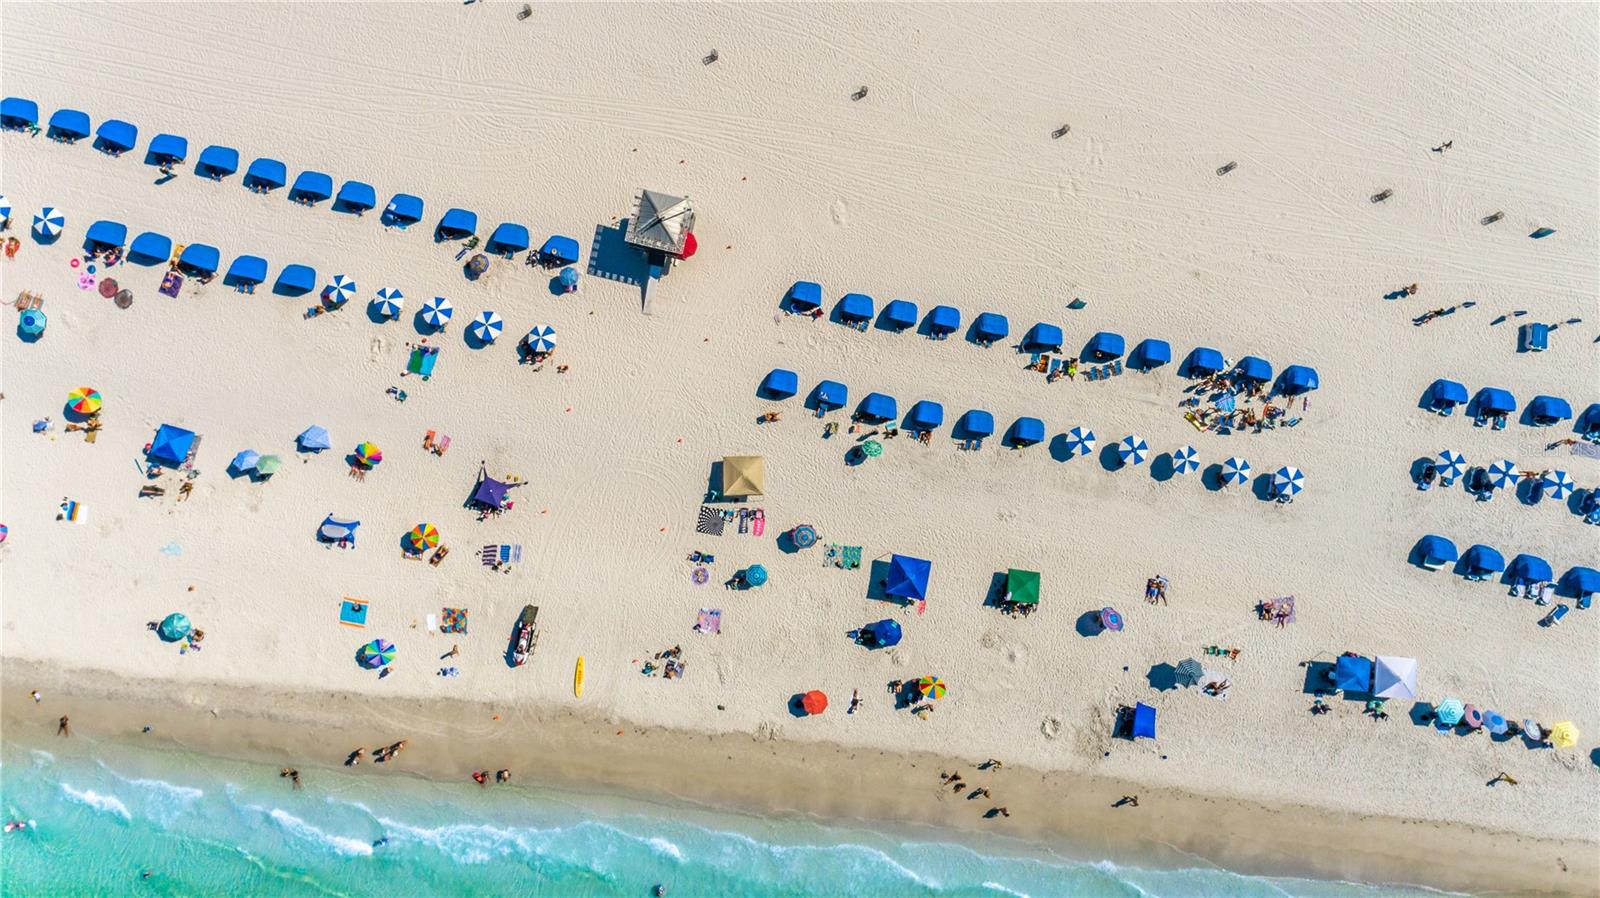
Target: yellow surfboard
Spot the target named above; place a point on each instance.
(577, 679)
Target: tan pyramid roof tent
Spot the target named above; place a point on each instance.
(744, 475)
(661, 222)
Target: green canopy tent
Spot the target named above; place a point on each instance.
(1022, 587)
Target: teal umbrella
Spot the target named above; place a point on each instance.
(174, 627)
(1450, 711)
(33, 322)
(755, 575)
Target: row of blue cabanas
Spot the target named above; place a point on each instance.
(881, 408)
(1445, 395)
(266, 174)
(1480, 561)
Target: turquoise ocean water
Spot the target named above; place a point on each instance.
(204, 826)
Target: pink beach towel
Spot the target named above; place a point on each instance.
(760, 524)
(709, 621)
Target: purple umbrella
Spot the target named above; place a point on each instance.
(1110, 619)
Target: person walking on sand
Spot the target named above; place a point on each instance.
(503, 775)
(37, 698)
(64, 726)
(1002, 811)
(454, 651)
(992, 764)
(1503, 777)
(355, 757)
(480, 777)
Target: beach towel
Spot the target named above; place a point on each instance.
(71, 512)
(489, 555)
(1586, 450)
(709, 621)
(171, 284)
(511, 553)
(850, 557)
(353, 612)
(710, 522)
(433, 623)
(1278, 604)
(759, 526)
(455, 620)
(744, 521)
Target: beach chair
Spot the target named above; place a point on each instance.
(439, 555)
(1555, 615)
(1533, 337)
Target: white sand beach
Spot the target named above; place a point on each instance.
(943, 185)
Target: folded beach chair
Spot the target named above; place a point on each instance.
(1555, 615)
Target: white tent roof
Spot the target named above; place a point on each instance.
(1395, 677)
(661, 221)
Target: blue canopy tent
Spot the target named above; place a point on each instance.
(17, 113)
(1104, 346)
(881, 634)
(314, 439)
(989, 327)
(105, 235)
(975, 424)
(266, 174)
(1043, 337)
(296, 280)
(457, 224)
(1588, 423)
(116, 136)
(855, 308)
(924, 416)
(1495, 401)
(908, 577)
(508, 239)
(336, 530)
(311, 187)
(69, 125)
(405, 210)
(1025, 432)
(1254, 369)
(1480, 561)
(1544, 411)
(199, 259)
(943, 321)
(490, 492)
(1143, 724)
(1352, 673)
(1298, 379)
(829, 395)
(1580, 582)
(803, 296)
(246, 271)
(1150, 353)
(1204, 360)
(559, 250)
(878, 408)
(899, 314)
(171, 445)
(1445, 395)
(150, 248)
(355, 196)
(217, 162)
(780, 383)
(1530, 569)
(166, 148)
(1434, 552)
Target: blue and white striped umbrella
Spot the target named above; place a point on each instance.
(340, 290)
(437, 311)
(542, 339)
(1451, 464)
(1503, 474)
(1559, 484)
(390, 302)
(1080, 441)
(1185, 460)
(1287, 481)
(1235, 470)
(1132, 450)
(5, 207)
(49, 222)
(487, 326)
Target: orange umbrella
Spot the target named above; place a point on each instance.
(815, 701)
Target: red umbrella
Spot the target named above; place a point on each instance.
(815, 701)
(689, 246)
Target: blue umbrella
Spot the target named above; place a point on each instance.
(437, 311)
(1080, 441)
(1503, 474)
(390, 301)
(755, 575)
(340, 290)
(804, 536)
(49, 222)
(487, 326)
(174, 627)
(1451, 464)
(542, 339)
(1132, 450)
(1235, 470)
(569, 278)
(33, 322)
(1495, 723)
(246, 460)
(5, 207)
(1559, 484)
(1185, 460)
(1287, 481)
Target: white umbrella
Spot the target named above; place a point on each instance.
(1559, 484)
(1451, 464)
(1235, 470)
(1132, 450)
(1080, 441)
(340, 290)
(487, 326)
(1504, 474)
(1395, 677)
(1185, 460)
(389, 302)
(437, 311)
(49, 222)
(1287, 481)
(542, 339)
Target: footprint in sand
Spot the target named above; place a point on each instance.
(375, 348)
(840, 212)
(1050, 727)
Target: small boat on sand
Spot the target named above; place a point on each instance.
(526, 635)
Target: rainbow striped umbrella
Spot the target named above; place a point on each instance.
(422, 537)
(369, 454)
(84, 400)
(932, 687)
(376, 654)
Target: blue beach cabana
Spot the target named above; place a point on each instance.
(925, 415)
(246, 271)
(1588, 423)
(68, 125)
(877, 408)
(1253, 369)
(1025, 432)
(171, 445)
(943, 321)
(1352, 673)
(855, 308)
(1530, 569)
(1143, 724)
(908, 577)
(105, 234)
(200, 260)
(803, 296)
(296, 280)
(899, 314)
(355, 196)
(508, 239)
(1479, 561)
(559, 250)
(265, 175)
(1495, 401)
(780, 383)
(165, 148)
(1434, 552)
(1150, 353)
(18, 113)
(457, 224)
(1203, 361)
(1544, 411)
(150, 248)
(1043, 337)
(1580, 582)
(1104, 346)
(115, 136)
(1444, 395)
(311, 187)
(217, 162)
(989, 327)
(1298, 379)
(405, 210)
(881, 634)
(829, 395)
(974, 425)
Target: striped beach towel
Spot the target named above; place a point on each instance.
(710, 522)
